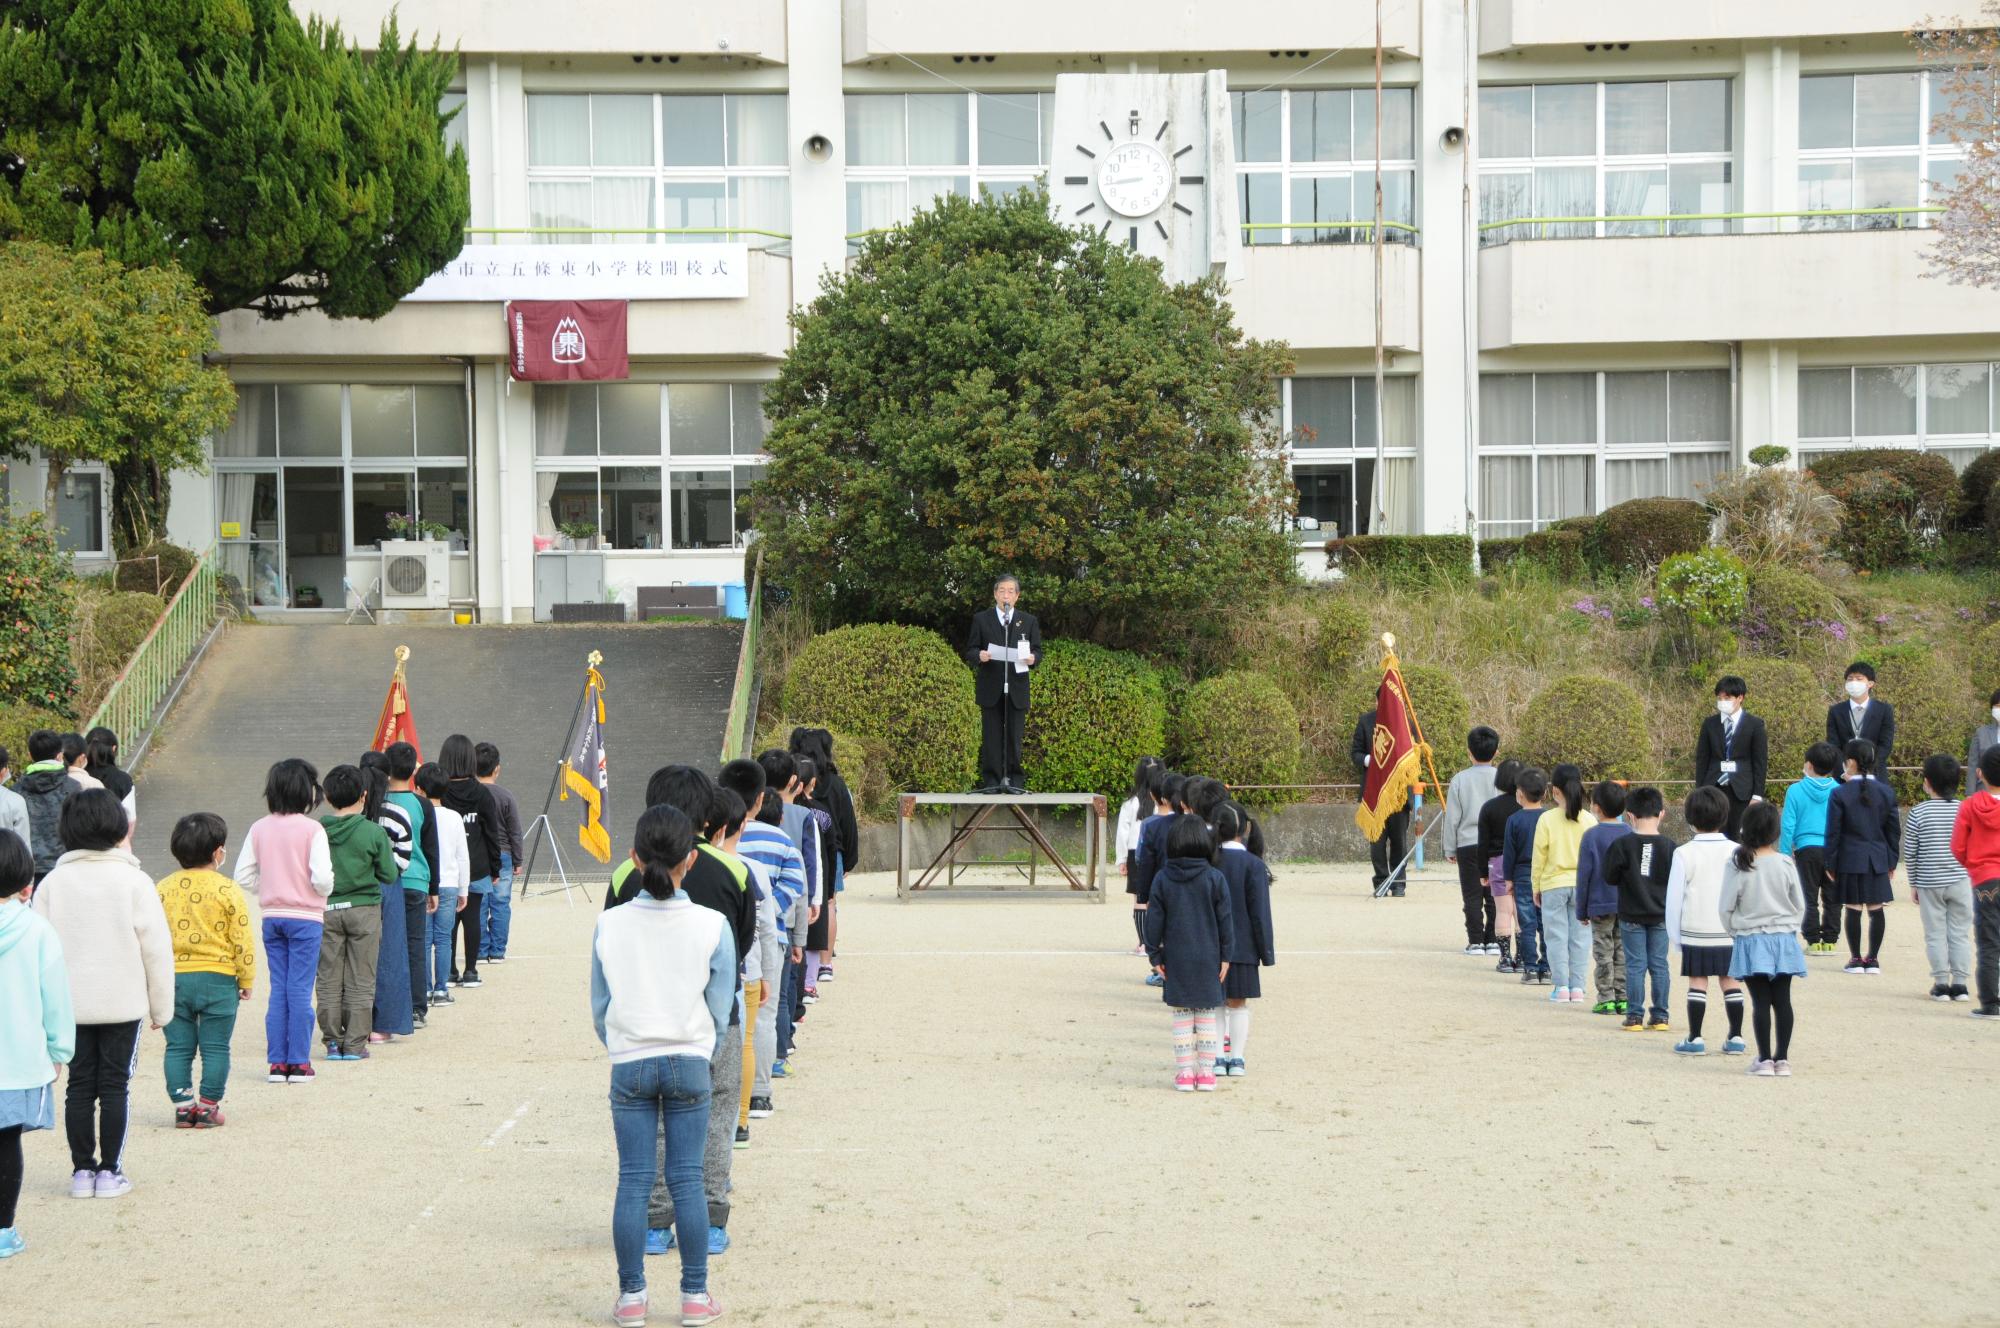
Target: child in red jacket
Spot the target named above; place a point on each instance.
(1975, 842)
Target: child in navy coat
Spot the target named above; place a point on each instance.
(1863, 842)
(1189, 936)
(1517, 861)
(1148, 852)
(1250, 920)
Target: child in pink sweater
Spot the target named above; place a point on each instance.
(288, 865)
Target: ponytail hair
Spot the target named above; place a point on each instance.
(661, 846)
(1568, 781)
(374, 784)
(1760, 830)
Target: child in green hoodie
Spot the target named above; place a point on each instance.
(1802, 835)
(363, 862)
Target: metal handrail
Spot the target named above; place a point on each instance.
(855, 236)
(624, 230)
(130, 708)
(736, 729)
(1666, 218)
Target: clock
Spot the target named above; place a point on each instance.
(1134, 179)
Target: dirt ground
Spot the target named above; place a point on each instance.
(982, 1131)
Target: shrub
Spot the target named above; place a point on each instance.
(1708, 588)
(1985, 659)
(138, 571)
(37, 606)
(1442, 712)
(108, 629)
(18, 721)
(1495, 554)
(1564, 554)
(1792, 703)
(1770, 454)
(903, 685)
(1408, 562)
(1774, 515)
(1645, 532)
(1341, 632)
(1595, 722)
(1936, 708)
(1895, 504)
(1239, 728)
(1975, 489)
(1786, 612)
(1096, 712)
(1309, 643)
(863, 762)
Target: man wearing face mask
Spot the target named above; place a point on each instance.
(1862, 716)
(1732, 752)
(1002, 685)
(1986, 735)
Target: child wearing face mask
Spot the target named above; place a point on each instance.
(1803, 838)
(1862, 716)
(1986, 735)
(1732, 752)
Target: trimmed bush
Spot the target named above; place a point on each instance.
(1341, 631)
(1564, 554)
(1895, 504)
(1645, 532)
(1596, 723)
(1975, 489)
(903, 685)
(1985, 659)
(1792, 703)
(1495, 554)
(1788, 613)
(1770, 454)
(1409, 562)
(37, 604)
(108, 629)
(17, 722)
(1936, 709)
(1096, 712)
(1240, 729)
(863, 762)
(1442, 712)
(137, 573)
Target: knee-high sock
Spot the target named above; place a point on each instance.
(1697, 1007)
(1204, 1041)
(1732, 1003)
(1854, 932)
(1183, 1042)
(1878, 923)
(1781, 1004)
(1239, 1030)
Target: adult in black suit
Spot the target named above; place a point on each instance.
(1733, 752)
(1388, 851)
(1002, 689)
(1862, 716)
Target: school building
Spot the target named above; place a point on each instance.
(1625, 245)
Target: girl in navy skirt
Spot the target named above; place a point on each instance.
(1763, 904)
(1189, 935)
(1864, 840)
(1252, 946)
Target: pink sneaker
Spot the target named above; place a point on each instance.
(1184, 1083)
(698, 1310)
(1204, 1083)
(630, 1311)
(1576, 995)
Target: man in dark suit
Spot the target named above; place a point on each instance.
(1862, 716)
(1387, 852)
(1002, 687)
(1733, 752)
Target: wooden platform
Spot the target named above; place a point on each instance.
(970, 814)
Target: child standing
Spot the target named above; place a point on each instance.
(1694, 919)
(480, 812)
(121, 971)
(37, 1025)
(1975, 842)
(1863, 841)
(1942, 890)
(499, 920)
(1762, 904)
(1640, 866)
(766, 846)
(1597, 898)
(1469, 791)
(1802, 836)
(411, 986)
(1136, 811)
(454, 882)
(1189, 934)
(1517, 864)
(1493, 814)
(1250, 923)
(1558, 843)
(215, 966)
(285, 862)
(44, 786)
(363, 862)
(1148, 851)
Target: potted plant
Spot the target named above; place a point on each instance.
(581, 534)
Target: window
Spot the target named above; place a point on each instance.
(1309, 157)
(1864, 144)
(1944, 408)
(905, 149)
(79, 514)
(1555, 445)
(1330, 436)
(623, 164)
(1608, 154)
(652, 466)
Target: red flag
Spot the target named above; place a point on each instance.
(397, 724)
(1395, 757)
(558, 340)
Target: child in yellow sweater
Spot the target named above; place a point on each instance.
(214, 967)
(1558, 844)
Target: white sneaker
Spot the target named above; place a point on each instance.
(1473, 950)
(82, 1184)
(112, 1184)
(1491, 947)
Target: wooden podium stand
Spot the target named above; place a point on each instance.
(970, 813)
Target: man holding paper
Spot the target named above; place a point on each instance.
(1002, 647)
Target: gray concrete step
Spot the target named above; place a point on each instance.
(268, 692)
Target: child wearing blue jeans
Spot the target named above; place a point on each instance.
(1517, 863)
(499, 902)
(1638, 866)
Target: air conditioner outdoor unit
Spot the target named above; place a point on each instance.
(416, 574)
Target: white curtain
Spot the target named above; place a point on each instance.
(563, 203)
(1698, 406)
(1635, 194)
(1399, 495)
(1507, 410)
(875, 205)
(939, 129)
(1956, 398)
(1506, 121)
(1502, 198)
(757, 130)
(623, 201)
(1693, 471)
(1565, 487)
(621, 130)
(1635, 411)
(1565, 191)
(1565, 409)
(1885, 402)
(1825, 403)
(545, 494)
(1566, 120)
(760, 202)
(254, 429)
(874, 129)
(1625, 480)
(552, 420)
(1399, 412)
(1506, 495)
(558, 130)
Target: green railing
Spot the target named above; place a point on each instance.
(1663, 220)
(1403, 226)
(737, 729)
(625, 230)
(131, 707)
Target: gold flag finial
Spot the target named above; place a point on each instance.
(596, 658)
(1388, 640)
(402, 654)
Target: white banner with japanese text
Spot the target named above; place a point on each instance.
(497, 272)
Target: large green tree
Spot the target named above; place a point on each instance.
(987, 389)
(280, 168)
(100, 362)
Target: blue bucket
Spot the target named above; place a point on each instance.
(735, 600)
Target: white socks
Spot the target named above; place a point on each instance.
(1239, 1029)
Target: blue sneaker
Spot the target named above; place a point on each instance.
(718, 1241)
(1155, 980)
(11, 1243)
(778, 1070)
(1733, 1047)
(659, 1240)
(1691, 1047)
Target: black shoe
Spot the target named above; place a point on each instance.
(1527, 977)
(760, 1107)
(743, 1136)
(1396, 893)
(1959, 993)
(1940, 991)
(1506, 965)
(1987, 1012)
(419, 1021)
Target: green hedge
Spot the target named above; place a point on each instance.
(138, 572)
(17, 722)
(903, 685)
(863, 762)
(1789, 699)
(1788, 612)
(1564, 554)
(1095, 713)
(1645, 532)
(1411, 562)
(1239, 728)
(1936, 708)
(1596, 723)
(1442, 712)
(1895, 504)
(37, 605)
(1975, 490)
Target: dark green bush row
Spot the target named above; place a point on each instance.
(1407, 561)
(1896, 505)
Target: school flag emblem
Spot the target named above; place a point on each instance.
(396, 723)
(584, 772)
(1396, 755)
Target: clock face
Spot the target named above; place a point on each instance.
(1134, 179)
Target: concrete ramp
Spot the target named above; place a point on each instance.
(268, 692)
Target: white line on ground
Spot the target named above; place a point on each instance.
(1095, 954)
(505, 1126)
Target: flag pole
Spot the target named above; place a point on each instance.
(555, 780)
(1423, 745)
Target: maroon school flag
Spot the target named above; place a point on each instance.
(552, 341)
